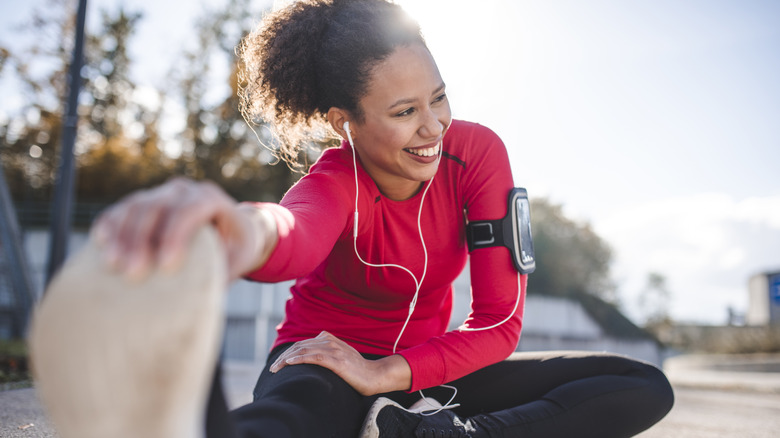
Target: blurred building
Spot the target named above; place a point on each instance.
(549, 323)
(253, 310)
(764, 299)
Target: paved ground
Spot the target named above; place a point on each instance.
(715, 413)
(21, 416)
(715, 398)
(722, 397)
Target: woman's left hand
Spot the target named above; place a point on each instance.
(368, 377)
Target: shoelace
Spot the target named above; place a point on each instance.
(462, 430)
(433, 433)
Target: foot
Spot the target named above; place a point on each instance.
(119, 358)
(389, 419)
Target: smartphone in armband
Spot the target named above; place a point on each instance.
(513, 231)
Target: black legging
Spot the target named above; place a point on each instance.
(537, 394)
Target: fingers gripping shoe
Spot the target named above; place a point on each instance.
(388, 419)
(116, 358)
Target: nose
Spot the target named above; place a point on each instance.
(432, 124)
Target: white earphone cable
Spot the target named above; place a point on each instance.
(417, 283)
(517, 304)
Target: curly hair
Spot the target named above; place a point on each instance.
(313, 55)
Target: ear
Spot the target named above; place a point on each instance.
(336, 118)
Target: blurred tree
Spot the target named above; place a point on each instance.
(571, 259)
(217, 143)
(654, 301)
(119, 142)
(120, 146)
(117, 148)
(4, 54)
(29, 137)
(28, 152)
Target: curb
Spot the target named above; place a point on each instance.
(751, 373)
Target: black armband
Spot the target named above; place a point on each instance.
(513, 231)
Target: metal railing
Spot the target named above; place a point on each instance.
(38, 214)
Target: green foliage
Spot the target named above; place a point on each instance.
(13, 363)
(119, 142)
(28, 140)
(125, 142)
(571, 259)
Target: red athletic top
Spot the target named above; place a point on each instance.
(367, 306)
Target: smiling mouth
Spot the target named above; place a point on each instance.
(425, 152)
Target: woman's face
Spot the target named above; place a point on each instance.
(406, 113)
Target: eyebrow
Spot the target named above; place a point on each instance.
(408, 100)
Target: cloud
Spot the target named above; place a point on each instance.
(706, 245)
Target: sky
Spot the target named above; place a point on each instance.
(655, 121)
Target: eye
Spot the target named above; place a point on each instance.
(440, 98)
(406, 112)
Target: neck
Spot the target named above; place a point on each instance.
(402, 192)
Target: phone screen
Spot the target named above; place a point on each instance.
(526, 241)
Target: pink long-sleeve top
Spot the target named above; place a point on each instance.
(367, 306)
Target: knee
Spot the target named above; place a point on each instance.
(303, 400)
(317, 383)
(658, 390)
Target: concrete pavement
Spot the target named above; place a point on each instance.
(726, 396)
(21, 415)
(718, 413)
(754, 373)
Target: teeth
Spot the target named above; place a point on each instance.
(426, 152)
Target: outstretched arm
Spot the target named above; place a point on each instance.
(151, 228)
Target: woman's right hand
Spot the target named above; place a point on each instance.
(152, 228)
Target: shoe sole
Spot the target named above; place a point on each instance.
(121, 359)
(370, 429)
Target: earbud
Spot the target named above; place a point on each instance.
(345, 126)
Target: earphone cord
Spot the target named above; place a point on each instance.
(434, 409)
(517, 304)
(417, 283)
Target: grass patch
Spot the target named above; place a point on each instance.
(14, 365)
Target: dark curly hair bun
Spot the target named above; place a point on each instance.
(313, 55)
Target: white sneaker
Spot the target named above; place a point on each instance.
(121, 359)
(388, 419)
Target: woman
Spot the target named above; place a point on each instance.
(375, 236)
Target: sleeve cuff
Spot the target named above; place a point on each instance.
(427, 365)
(276, 261)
